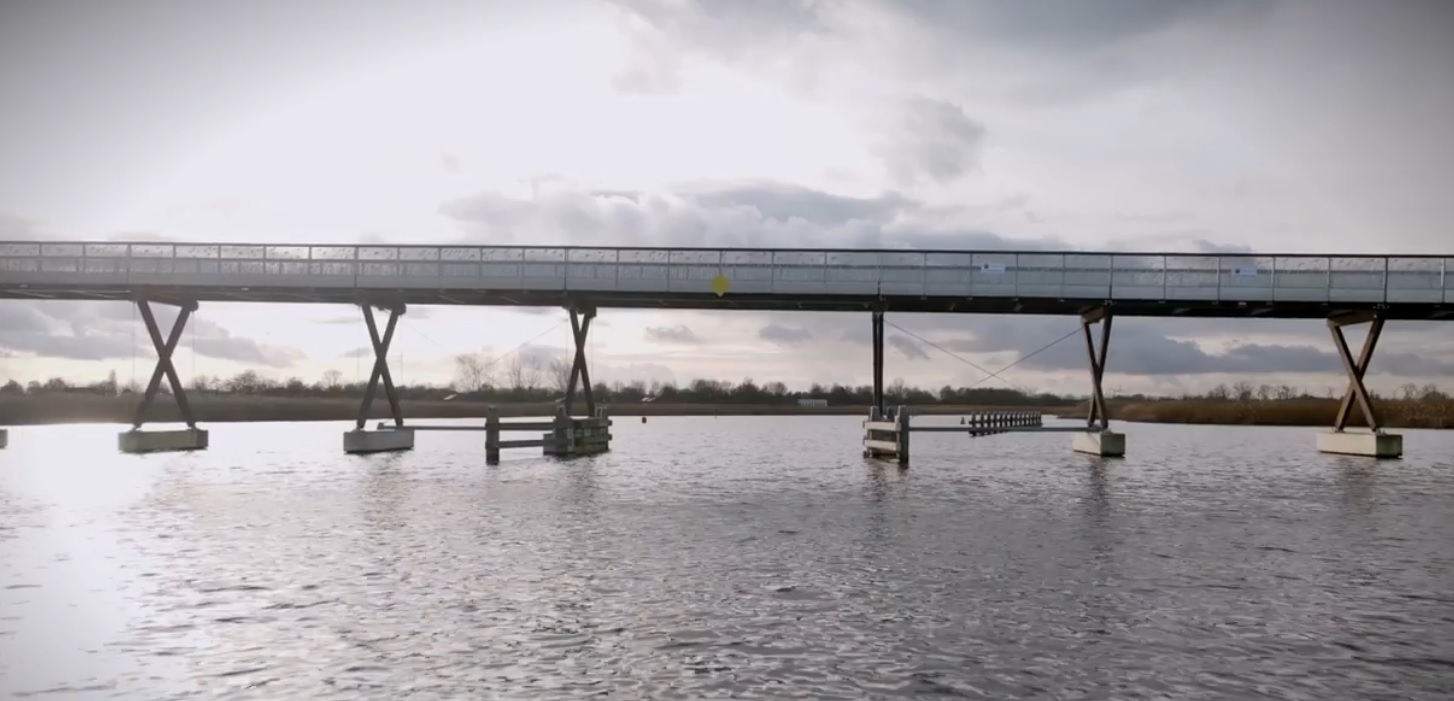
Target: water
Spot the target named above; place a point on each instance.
(726, 558)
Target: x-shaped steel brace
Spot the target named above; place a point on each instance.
(164, 366)
(1098, 409)
(1356, 370)
(878, 362)
(580, 325)
(381, 366)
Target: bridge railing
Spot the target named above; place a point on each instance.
(1393, 279)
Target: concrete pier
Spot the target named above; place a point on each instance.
(1372, 445)
(137, 441)
(359, 441)
(1106, 444)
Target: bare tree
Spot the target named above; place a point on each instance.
(532, 368)
(1243, 391)
(332, 379)
(516, 372)
(469, 372)
(560, 372)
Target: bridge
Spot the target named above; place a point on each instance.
(1096, 286)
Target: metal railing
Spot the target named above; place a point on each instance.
(1190, 277)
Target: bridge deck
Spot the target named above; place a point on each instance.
(1029, 282)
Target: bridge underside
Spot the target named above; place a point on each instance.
(708, 301)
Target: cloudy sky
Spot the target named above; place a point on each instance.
(1211, 125)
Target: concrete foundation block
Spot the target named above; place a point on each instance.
(384, 441)
(162, 441)
(1372, 445)
(1106, 444)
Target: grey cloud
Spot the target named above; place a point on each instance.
(746, 215)
(1056, 50)
(14, 227)
(359, 352)
(1068, 26)
(109, 331)
(934, 139)
(414, 312)
(782, 201)
(786, 335)
(1148, 347)
(678, 334)
(908, 346)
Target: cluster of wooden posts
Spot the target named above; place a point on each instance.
(886, 433)
(563, 435)
(988, 423)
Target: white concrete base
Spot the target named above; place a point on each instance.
(1106, 444)
(162, 441)
(4, 438)
(1372, 445)
(382, 441)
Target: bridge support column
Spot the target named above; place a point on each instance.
(573, 434)
(190, 438)
(877, 412)
(396, 437)
(1098, 439)
(1374, 443)
(580, 374)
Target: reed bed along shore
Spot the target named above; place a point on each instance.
(1435, 412)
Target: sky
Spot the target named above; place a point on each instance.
(1211, 125)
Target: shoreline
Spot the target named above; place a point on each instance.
(51, 409)
(80, 408)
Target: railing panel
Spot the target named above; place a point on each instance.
(901, 272)
(1088, 275)
(1415, 280)
(1040, 274)
(1138, 277)
(1245, 278)
(1191, 278)
(1298, 279)
(332, 253)
(993, 275)
(1356, 279)
(1447, 273)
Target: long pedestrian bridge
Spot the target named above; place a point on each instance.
(1096, 286)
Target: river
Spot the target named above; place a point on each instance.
(753, 557)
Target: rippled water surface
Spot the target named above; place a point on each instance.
(726, 558)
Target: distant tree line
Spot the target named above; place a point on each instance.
(523, 379)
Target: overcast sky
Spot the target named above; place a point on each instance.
(1283, 126)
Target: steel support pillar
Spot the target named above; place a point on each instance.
(877, 410)
(192, 438)
(1374, 443)
(393, 438)
(580, 374)
(1098, 438)
(1098, 410)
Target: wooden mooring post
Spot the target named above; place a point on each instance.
(564, 435)
(887, 437)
